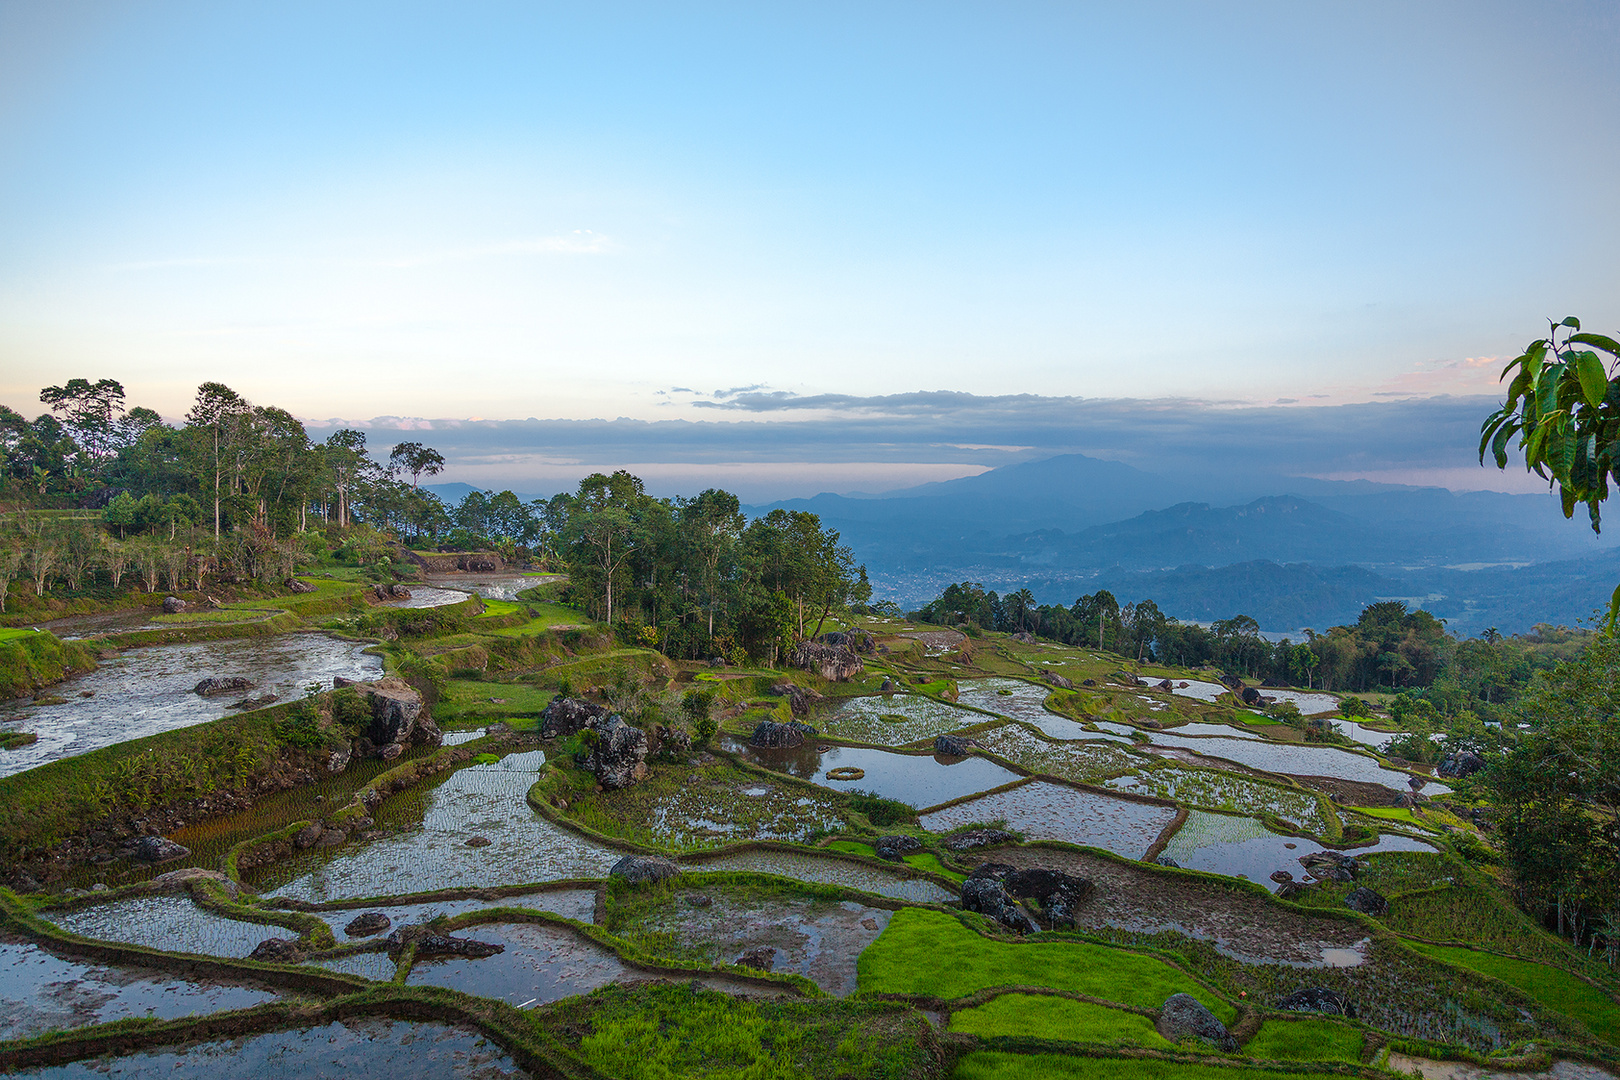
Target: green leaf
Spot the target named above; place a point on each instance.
(1601, 341)
(1572, 322)
(1568, 498)
(1547, 389)
(1594, 380)
(1499, 445)
(1614, 612)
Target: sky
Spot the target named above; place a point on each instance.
(759, 220)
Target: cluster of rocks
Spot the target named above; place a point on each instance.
(430, 942)
(996, 889)
(835, 663)
(1337, 867)
(617, 755)
(800, 698)
(974, 839)
(896, 848)
(392, 591)
(1460, 764)
(771, 735)
(859, 640)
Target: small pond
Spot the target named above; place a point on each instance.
(1046, 811)
(147, 690)
(919, 780)
(40, 991)
(355, 1049)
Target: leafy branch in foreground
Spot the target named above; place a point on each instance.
(1564, 405)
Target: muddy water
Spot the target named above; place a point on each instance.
(1043, 811)
(172, 923)
(354, 1049)
(829, 871)
(1243, 847)
(915, 779)
(481, 800)
(40, 991)
(148, 690)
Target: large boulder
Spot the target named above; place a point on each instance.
(156, 849)
(988, 897)
(835, 663)
(1330, 866)
(295, 585)
(619, 757)
(565, 716)
(1184, 1017)
(641, 869)
(1059, 681)
(1058, 893)
(896, 848)
(1366, 901)
(1251, 697)
(974, 839)
(953, 745)
(800, 698)
(397, 714)
(1318, 999)
(182, 878)
(430, 942)
(1462, 763)
(774, 736)
(214, 685)
(277, 951)
(173, 605)
(859, 640)
(372, 922)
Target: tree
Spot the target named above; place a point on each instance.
(213, 416)
(1564, 406)
(416, 459)
(91, 411)
(602, 526)
(346, 459)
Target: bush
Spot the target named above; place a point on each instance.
(1350, 707)
(880, 811)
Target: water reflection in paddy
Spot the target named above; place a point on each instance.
(354, 1049)
(828, 871)
(172, 923)
(1046, 811)
(571, 903)
(430, 597)
(375, 966)
(541, 963)
(915, 779)
(40, 991)
(1295, 759)
(481, 800)
(1025, 701)
(148, 690)
(1243, 847)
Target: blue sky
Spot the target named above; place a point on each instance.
(600, 211)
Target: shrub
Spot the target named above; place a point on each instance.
(880, 811)
(1353, 706)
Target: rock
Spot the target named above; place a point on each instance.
(179, 879)
(429, 943)
(799, 698)
(760, 959)
(392, 592)
(1318, 999)
(1462, 763)
(155, 849)
(995, 871)
(1025, 636)
(1231, 682)
(214, 686)
(277, 951)
(1281, 876)
(1166, 684)
(309, 835)
(391, 751)
(332, 838)
(1057, 680)
(1165, 860)
(1250, 697)
(619, 757)
(699, 900)
(1366, 901)
(338, 759)
(835, 663)
(1330, 866)
(987, 896)
(396, 706)
(1184, 1017)
(173, 605)
(565, 716)
(896, 848)
(859, 640)
(953, 745)
(479, 841)
(372, 922)
(869, 923)
(773, 735)
(1058, 893)
(888, 687)
(672, 740)
(978, 838)
(1088, 682)
(639, 869)
(1181, 686)
(297, 586)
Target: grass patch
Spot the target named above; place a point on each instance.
(851, 847)
(470, 700)
(217, 615)
(1556, 989)
(30, 659)
(929, 862)
(932, 954)
(1474, 915)
(1305, 1040)
(1036, 1016)
(997, 1065)
(546, 617)
(665, 1032)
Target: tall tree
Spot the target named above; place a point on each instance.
(214, 417)
(347, 464)
(91, 411)
(416, 459)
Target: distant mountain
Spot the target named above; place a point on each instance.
(452, 494)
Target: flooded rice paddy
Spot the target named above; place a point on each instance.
(577, 904)
(354, 1049)
(540, 963)
(1084, 762)
(40, 991)
(148, 690)
(828, 870)
(919, 780)
(1294, 759)
(172, 923)
(897, 719)
(1046, 811)
(1211, 789)
(1243, 847)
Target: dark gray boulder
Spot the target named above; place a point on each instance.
(1059, 681)
(1330, 865)
(953, 745)
(1318, 999)
(277, 951)
(772, 735)
(640, 869)
(896, 848)
(173, 605)
(859, 640)
(372, 922)
(835, 663)
(1058, 893)
(1251, 697)
(1462, 763)
(986, 896)
(1366, 901)
(156, 849)
(431, 942)
(1165, 860)
(396, 709)
(214, 686)
(619, 757)
(565, 716)
(1184, 1017)
(979, 838)
(761, 959)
